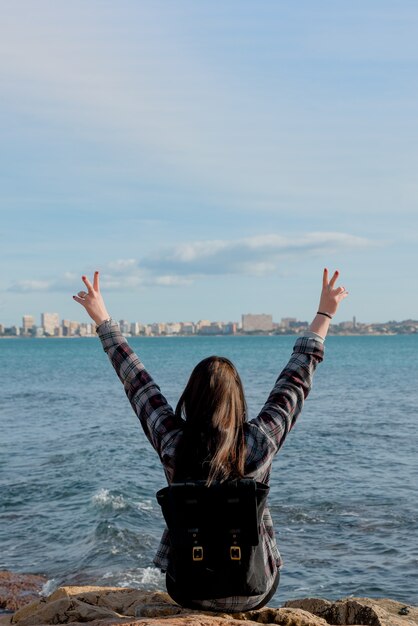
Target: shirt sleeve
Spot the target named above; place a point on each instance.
(285, 402)
(154, 412)
(310, 333)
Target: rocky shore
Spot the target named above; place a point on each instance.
(23, 604)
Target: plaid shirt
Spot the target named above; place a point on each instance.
(264, 435)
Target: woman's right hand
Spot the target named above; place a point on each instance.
(92, 300)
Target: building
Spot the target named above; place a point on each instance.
(137, 329)
(28, 322)
(201, 324)
(173, 328)
(286, 322)
(50, 322)
(70, 328)
(257, 322)
(214, 328)
(158, 328)
(85, 329)
(187, 328)
(125, 327)
(346, 325)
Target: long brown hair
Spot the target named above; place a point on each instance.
(214, 409)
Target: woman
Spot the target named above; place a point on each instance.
(208, 435)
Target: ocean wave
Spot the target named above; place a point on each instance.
(49, 587)
(145, 577)
(145, 505)
(105, 499)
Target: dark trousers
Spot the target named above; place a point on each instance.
(189, 604)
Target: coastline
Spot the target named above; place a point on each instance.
(195, 336)
(24, 603)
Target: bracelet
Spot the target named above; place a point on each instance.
(323, 313)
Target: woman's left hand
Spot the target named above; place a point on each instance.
(92, 300)
(331, 296)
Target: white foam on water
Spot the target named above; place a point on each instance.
(145, 505)
(349, 514)
(49, 587)
(103, 498)
(149, 576)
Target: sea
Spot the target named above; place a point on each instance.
(78, 477)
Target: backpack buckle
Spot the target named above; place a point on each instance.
(235, 553)
(197, 553)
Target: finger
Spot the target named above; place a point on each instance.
(87, 283)
(96, 285)
(341, 292)
(79, 300)
(333, 279)
(325, 279)
(82, 294)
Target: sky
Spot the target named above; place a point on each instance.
(209, 158)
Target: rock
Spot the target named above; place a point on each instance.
(317, 606)
(113, 605)
(16, 590)
(359, 611)
(87, 604)
(123, 600)
(106, 606)
(283, 616)
(61, 611)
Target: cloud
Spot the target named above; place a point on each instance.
(172, 281)
(27, 286)
(121, 265)
(180, 265)
(251, 255)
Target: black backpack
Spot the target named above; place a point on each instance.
(215, 546)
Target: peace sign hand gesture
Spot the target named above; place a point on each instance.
(331, 296)
(92, 300)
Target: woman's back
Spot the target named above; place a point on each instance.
(261, 439)
(208, 433)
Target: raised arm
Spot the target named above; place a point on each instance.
(154, 412)
(287, 397)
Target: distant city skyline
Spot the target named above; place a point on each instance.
(52, 326)
(209, 157)
(247, 322)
